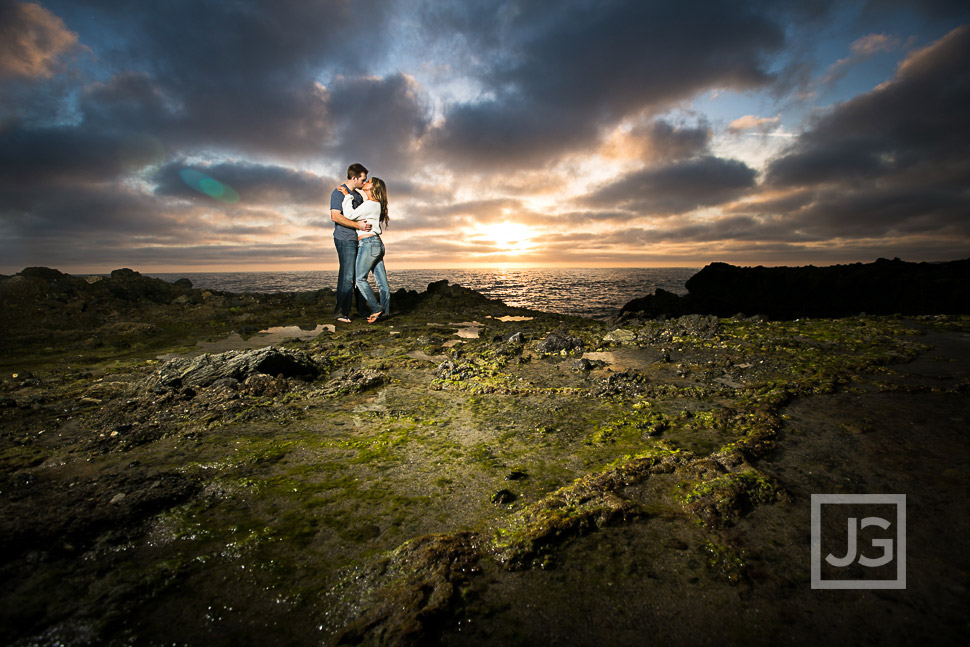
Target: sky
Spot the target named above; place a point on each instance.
(204, 135)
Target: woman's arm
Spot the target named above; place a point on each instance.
(337, 216)
(364, 210)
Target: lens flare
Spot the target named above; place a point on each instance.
(209, 186)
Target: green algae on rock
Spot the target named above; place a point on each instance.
(349, 500)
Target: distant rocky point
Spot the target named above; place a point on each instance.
(42, 308)
(880, 288)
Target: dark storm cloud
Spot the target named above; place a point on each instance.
(187, 77)
(883, 212)
(255, 184)
(668, 142)
(733, 229)
(677, 188)
(247, 77)
(102, 102)
(567, 73)
(85, 212)
(893, 159)
(35, 157)
(934, 9)
(240, 75)
(377, 121)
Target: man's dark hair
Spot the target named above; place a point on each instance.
(354, 170)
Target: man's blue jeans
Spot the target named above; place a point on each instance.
(347, 258)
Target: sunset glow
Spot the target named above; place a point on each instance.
(771, 134)
(509, 237)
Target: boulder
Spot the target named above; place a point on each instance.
(208, 369)
(555, 343)
(129, 285)
(621, 336)
(38, 283)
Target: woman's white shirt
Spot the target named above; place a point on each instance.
(368, 211)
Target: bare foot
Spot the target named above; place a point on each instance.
(343, 319)
(374, 317)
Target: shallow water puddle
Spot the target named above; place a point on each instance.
(267, 337)
(471, 329)
(466, 329)
(622, 359)
(419, 354)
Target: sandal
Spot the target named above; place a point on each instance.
(343, 319)
(374, 317)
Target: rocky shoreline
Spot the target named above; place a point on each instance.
(463, 473)
(884, 287)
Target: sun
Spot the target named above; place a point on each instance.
(510, 236)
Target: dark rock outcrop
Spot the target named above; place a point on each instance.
(37, 284)
(883, 287)
(207, 369)
(555, 343)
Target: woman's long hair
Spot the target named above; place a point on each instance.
(378, 191)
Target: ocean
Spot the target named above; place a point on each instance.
(587, 292)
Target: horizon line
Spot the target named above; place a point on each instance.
(226, 269)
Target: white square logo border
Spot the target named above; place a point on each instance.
(899, 500)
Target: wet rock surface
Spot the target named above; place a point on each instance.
(231, 368)
(559, 343)
(557, 480)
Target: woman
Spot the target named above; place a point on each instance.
(370, 248)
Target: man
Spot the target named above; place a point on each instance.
(345, 240)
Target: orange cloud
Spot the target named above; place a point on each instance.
(874, 43)
(750, 122)
(33, 40)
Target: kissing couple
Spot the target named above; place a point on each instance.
(358, 210)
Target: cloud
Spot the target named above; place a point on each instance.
(677, 188)
(884, 213)
(377, 120)
(575, 118)
(33, 41)
(64, 154)
(751, 122)
(241, 76)
(255, 184)
(874, 44)
(893, 159)
(657, 141)
(862, 49)
(566, 75)
(83, 224)
(932, 9)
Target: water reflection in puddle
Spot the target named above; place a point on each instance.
(268, 337)
(466, 329)
(471, 329)
(622, 359)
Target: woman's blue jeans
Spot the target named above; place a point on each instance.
(370, 256)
